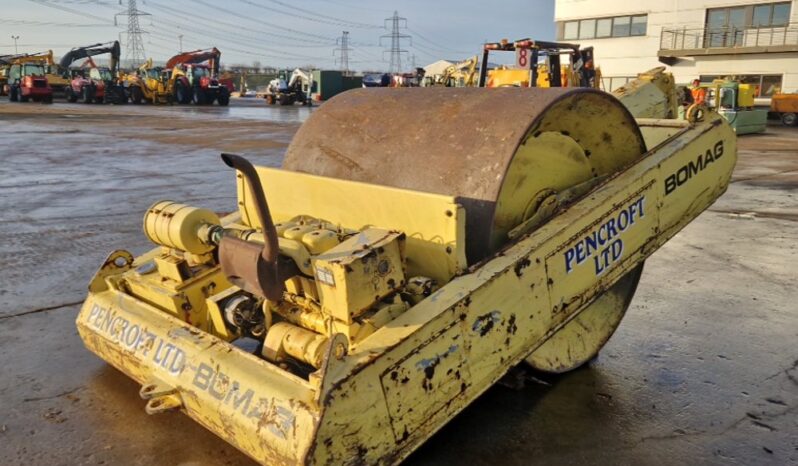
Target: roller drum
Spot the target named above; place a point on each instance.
(495, 150)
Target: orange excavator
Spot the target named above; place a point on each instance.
(196, 76)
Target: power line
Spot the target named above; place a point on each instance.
(69, 10)
(432, 44)
(215, 24)
(261, 52)
(265, 23)
(23, 22)
(226, 38)
(322, 20)
(134, 49)
(353, 24)
(396, 36)
(357, 7)
(343, 48)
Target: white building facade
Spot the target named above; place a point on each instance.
(754, 41)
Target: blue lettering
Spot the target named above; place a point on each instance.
(623, 220)
(569, 257)
(611, 231)
(602, 239)
(590, 243)
(580, 252)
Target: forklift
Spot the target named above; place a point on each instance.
(580, 71)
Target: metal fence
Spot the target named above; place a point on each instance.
(705, 38)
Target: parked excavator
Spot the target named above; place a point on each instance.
(363, 295)
(580, 71)
(461, 74)
(196, 81)
(26, 77)
(91, 83)
(285, 90)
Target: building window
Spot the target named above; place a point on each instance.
(781, 14)
(587, 29)
(604, 27)
(771, 15)
(746, 16)
(639, 24)
(571, 30)
(766, 84)
(599, 28)
(620, 26)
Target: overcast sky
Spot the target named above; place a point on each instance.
(284, 33)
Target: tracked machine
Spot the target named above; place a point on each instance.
(388, 274)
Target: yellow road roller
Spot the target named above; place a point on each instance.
(416, 245)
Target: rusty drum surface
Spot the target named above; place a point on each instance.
(465, 142)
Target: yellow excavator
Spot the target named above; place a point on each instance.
(461, 74)
(387, 275)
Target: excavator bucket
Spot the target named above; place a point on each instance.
(395, 268)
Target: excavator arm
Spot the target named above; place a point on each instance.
(197, 56)
(466, 69)
(45, 57)
(89, 51)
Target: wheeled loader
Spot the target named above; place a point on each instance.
(27, 80)
(196, 78)
(394, 269)
(149, 84)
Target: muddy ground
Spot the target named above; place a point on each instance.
(703, 370)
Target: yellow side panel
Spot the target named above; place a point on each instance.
(747, 92)
(508, 77)
(444, 354)
(434, 224)
(596, 252)
(258, 408)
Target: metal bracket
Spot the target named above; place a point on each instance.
(161, 397)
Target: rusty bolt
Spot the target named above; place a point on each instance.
(340, 351)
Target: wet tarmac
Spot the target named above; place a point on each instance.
(703, 370)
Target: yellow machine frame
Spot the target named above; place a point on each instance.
(412, 373)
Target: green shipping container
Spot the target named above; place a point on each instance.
(329, 83)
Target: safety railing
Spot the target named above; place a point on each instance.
(727, 37)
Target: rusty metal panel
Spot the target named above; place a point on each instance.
(426, 380)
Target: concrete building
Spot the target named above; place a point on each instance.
(755, 41)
